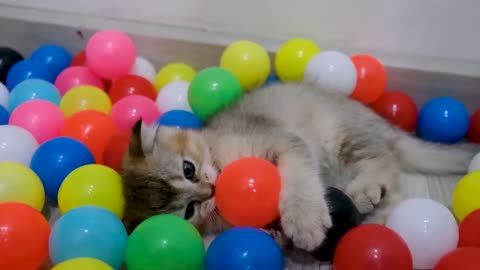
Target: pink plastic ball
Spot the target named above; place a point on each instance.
(128, 110)
(110, 54)
(43, 119)
(76, 76)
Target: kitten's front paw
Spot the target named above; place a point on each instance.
(366, 195)
(306, 225)
(280, 238)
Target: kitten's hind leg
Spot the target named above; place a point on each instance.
(384, 209)
(304, 213)
(375, 181)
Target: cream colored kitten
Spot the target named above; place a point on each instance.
(315, 138)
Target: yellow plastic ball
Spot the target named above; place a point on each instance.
(174, 72)
(92, 184)
(82, 264)
(248, 61)
(19, 183)
(292, 58)
(85, 97)
(466, 195)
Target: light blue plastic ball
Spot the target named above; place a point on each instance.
(33, 89)
(89, 231)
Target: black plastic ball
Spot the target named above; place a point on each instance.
(345, 216)
(8, 58)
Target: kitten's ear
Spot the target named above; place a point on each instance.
(135, 148)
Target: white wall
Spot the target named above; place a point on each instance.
(433, 35)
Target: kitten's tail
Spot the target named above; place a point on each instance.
(419, 156)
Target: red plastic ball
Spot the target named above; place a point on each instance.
(473, 134)
(469, 230)
(93, 128)
(24, 233)
(398, 108)
(464, 258)
(372, 247)
(131, 85)
(116, 149)
(79, 59)
(371, 78)
(247, 192)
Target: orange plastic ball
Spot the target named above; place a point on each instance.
(247, 192)
(371, 78)
(93, 128)
(24, 233)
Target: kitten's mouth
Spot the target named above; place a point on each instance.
(213, 191)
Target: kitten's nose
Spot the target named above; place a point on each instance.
(206, 191)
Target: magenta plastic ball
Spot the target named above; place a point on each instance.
(128, 110)
(76, 76)
(110, 54)
(43, 119)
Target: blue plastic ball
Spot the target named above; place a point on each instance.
(33, 89)
(272, 79)
(28, 69)
(55, 159)
(443, 120)
(180, 119)
(89, 231)
(4, 116)
(55, 58)
(244, 248)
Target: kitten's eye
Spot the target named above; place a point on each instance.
(188, 170)
(190, 210)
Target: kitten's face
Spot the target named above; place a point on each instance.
(168, 170)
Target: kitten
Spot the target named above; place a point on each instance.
(316, 138)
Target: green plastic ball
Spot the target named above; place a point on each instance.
(166, 242)
(212, 90)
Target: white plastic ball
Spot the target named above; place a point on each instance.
(174, 96)
(428, 227)
(16, 144)
(474, 164)
(4, 94)
(144, 68)
(332, 71)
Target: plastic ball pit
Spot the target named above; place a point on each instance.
(178, 96)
